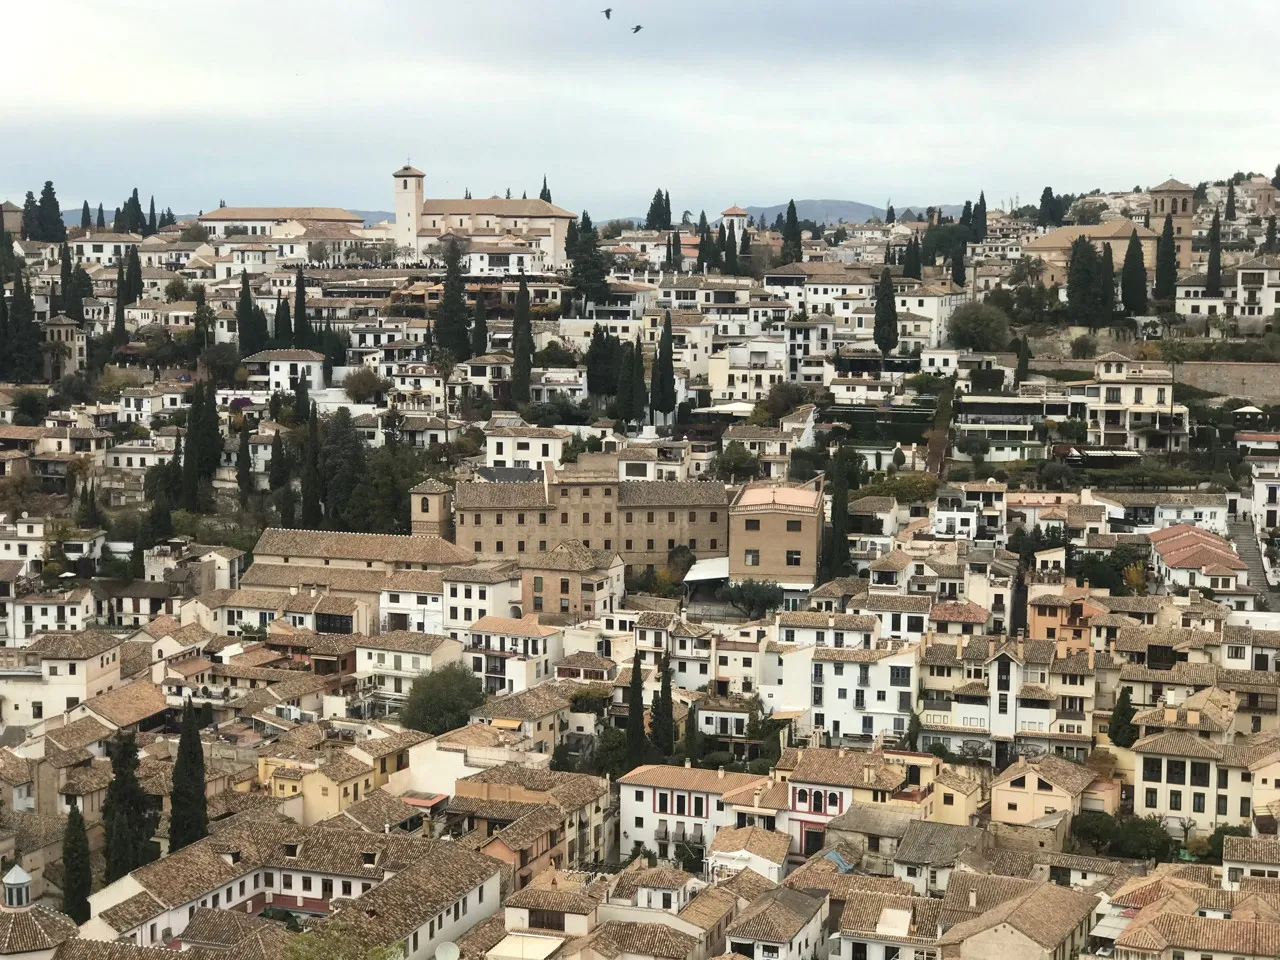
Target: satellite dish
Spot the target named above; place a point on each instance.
(448, 951)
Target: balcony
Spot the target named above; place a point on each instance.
(938, 706)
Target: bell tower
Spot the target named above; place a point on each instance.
(408, 189)
(430, 509)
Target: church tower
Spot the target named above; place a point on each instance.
(408, 186)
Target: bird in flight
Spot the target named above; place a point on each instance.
(637, 28)
(608, 12)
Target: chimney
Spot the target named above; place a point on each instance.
(867, 774)
(960, 647)
(1193, 595)
(1090, 658)
(720, 773)
(1019, 644)
(991, 647)
(842, 753)
(687, 763)
(973, 898)
(755, 797)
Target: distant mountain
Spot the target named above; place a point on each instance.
(833, 211)
(72, 217)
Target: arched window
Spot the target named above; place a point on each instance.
(802, 797)
(833, 800)
(817, 801)
(426, 505)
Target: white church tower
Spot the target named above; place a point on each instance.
(408, 207)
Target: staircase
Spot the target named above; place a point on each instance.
(1247, 546)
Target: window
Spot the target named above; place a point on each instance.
(793, 558)
(793, 526)
(753, 524)
(751, 558)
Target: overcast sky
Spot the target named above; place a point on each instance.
(740, 101)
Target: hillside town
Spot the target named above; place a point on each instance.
(487, 582)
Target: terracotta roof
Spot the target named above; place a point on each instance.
(1251, 849)
(747, 884)
(1046, 915)
(690, 778)
(616, 937)
(1067, 776)
(384, 547)
(769, 844)
(128, 704)
(775, 917)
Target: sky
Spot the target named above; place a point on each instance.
(718, 101)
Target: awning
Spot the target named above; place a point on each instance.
(713, 568)
(504, 723)
(740, 408)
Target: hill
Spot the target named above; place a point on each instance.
(834, 211)
(72, 217)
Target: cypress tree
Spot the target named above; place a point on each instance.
(639, 391)
(522, 344)
(730, 251)
(303, 334)
(890, 216)
(1083, 273)
(1231, 201)
(151, 219)
(886, 322)
(625, 406)
(655, 218)
(312, 516)
(101, 223)
(1271, 234)
(1121, 730)
(1213, 273)
(957, 265)
(77, 881)
(278, 474)
(666, 209)
(191, 454)
(86, 218)
(26, 360)
(673, 250)
(244, 464)
(252, 340)
(692, 738)
(544, 193)
(1106, 288)
(5, 360)
(119, 334)
(978, 225)
(31, 229)
(662, 393)
(127, 820)
(744, 251)
(301, 398)
(635, 716)
(1050, 213)
(64, 279)
(792, 248)
(284, 323)
(1133, 278)
(117, 221)
(662, 726)
(133, 275)
(589, 273)
(480, 326)
(1166, 262)
(1024, 359)
(52, 229)
(189, 817)
(451, 315)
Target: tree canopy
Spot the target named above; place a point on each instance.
(442, 700)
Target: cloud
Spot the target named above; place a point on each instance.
(720, 102)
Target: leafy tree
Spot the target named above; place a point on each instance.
(381, 500)
(1050, 212)
(636, 740)
(364, 385)
(1122, 730)
(589, 271)
(244, 464)
(735, 464)
(658, 217)
(1095, 828)
(127, 818)
(886, 322)
(976, 449)
(1133, 278)
(1213, 272)
(754, 598)
(25, 360)
(312, 515)
(343, 458)
(1143, 838)
(52, 228)
(1166, 262)
(792, 241)
(979, 326)
(1083, 276)
(442, 700)
(522, 345)
(480, 327)
(1084, 347)
(77, 872)
(1221, 832)
(189, 816)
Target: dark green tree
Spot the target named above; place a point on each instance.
(189, 811)
(283, 323)
(101, 222)
(589, 272)
(25, 357)
(151, 220)
(662, 726)
(1084, 273)
(1230, 213)
(958, 276)
(838, 555)
(1166, 262)
(625, 404)
(792, 239)
(31, 229)
(544, 194)
(662, 388)
(1133, 278)
(128, 820)
(304, 335)
(912, 266)
(886, 322)
(86, 218)
(730, 251)
(312, 515)
(639, 389)
(343, 460)
(301, 398)
(1213, 272)
(1106, 285)
(1271, 234)
(480, 327)
(278, 474)
(692, 736)
(77, 873)
(978, 223)
(1122, 730)
(1024, 360)
(442, 699)
(1050, 213)
(133, 276)
(636, 739)
(451, 324)
(52, 228)
(522, 345)
(657, 218)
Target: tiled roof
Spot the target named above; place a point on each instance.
(1067, 776)
(1251, 849)
(709, 907)
(128, 704)
(531, 704)
(384, 547)
(769, 844)
(862, 917)
(403, 641)
(930, 842)
(775, 917)
(616, 937)
(34, 929)
(690, 778)
(846, 768)
(747, 884)
(1046, 915)
(672, 493)
(73, 646)
(131, 912)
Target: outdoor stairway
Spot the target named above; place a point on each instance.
(1247, 546)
